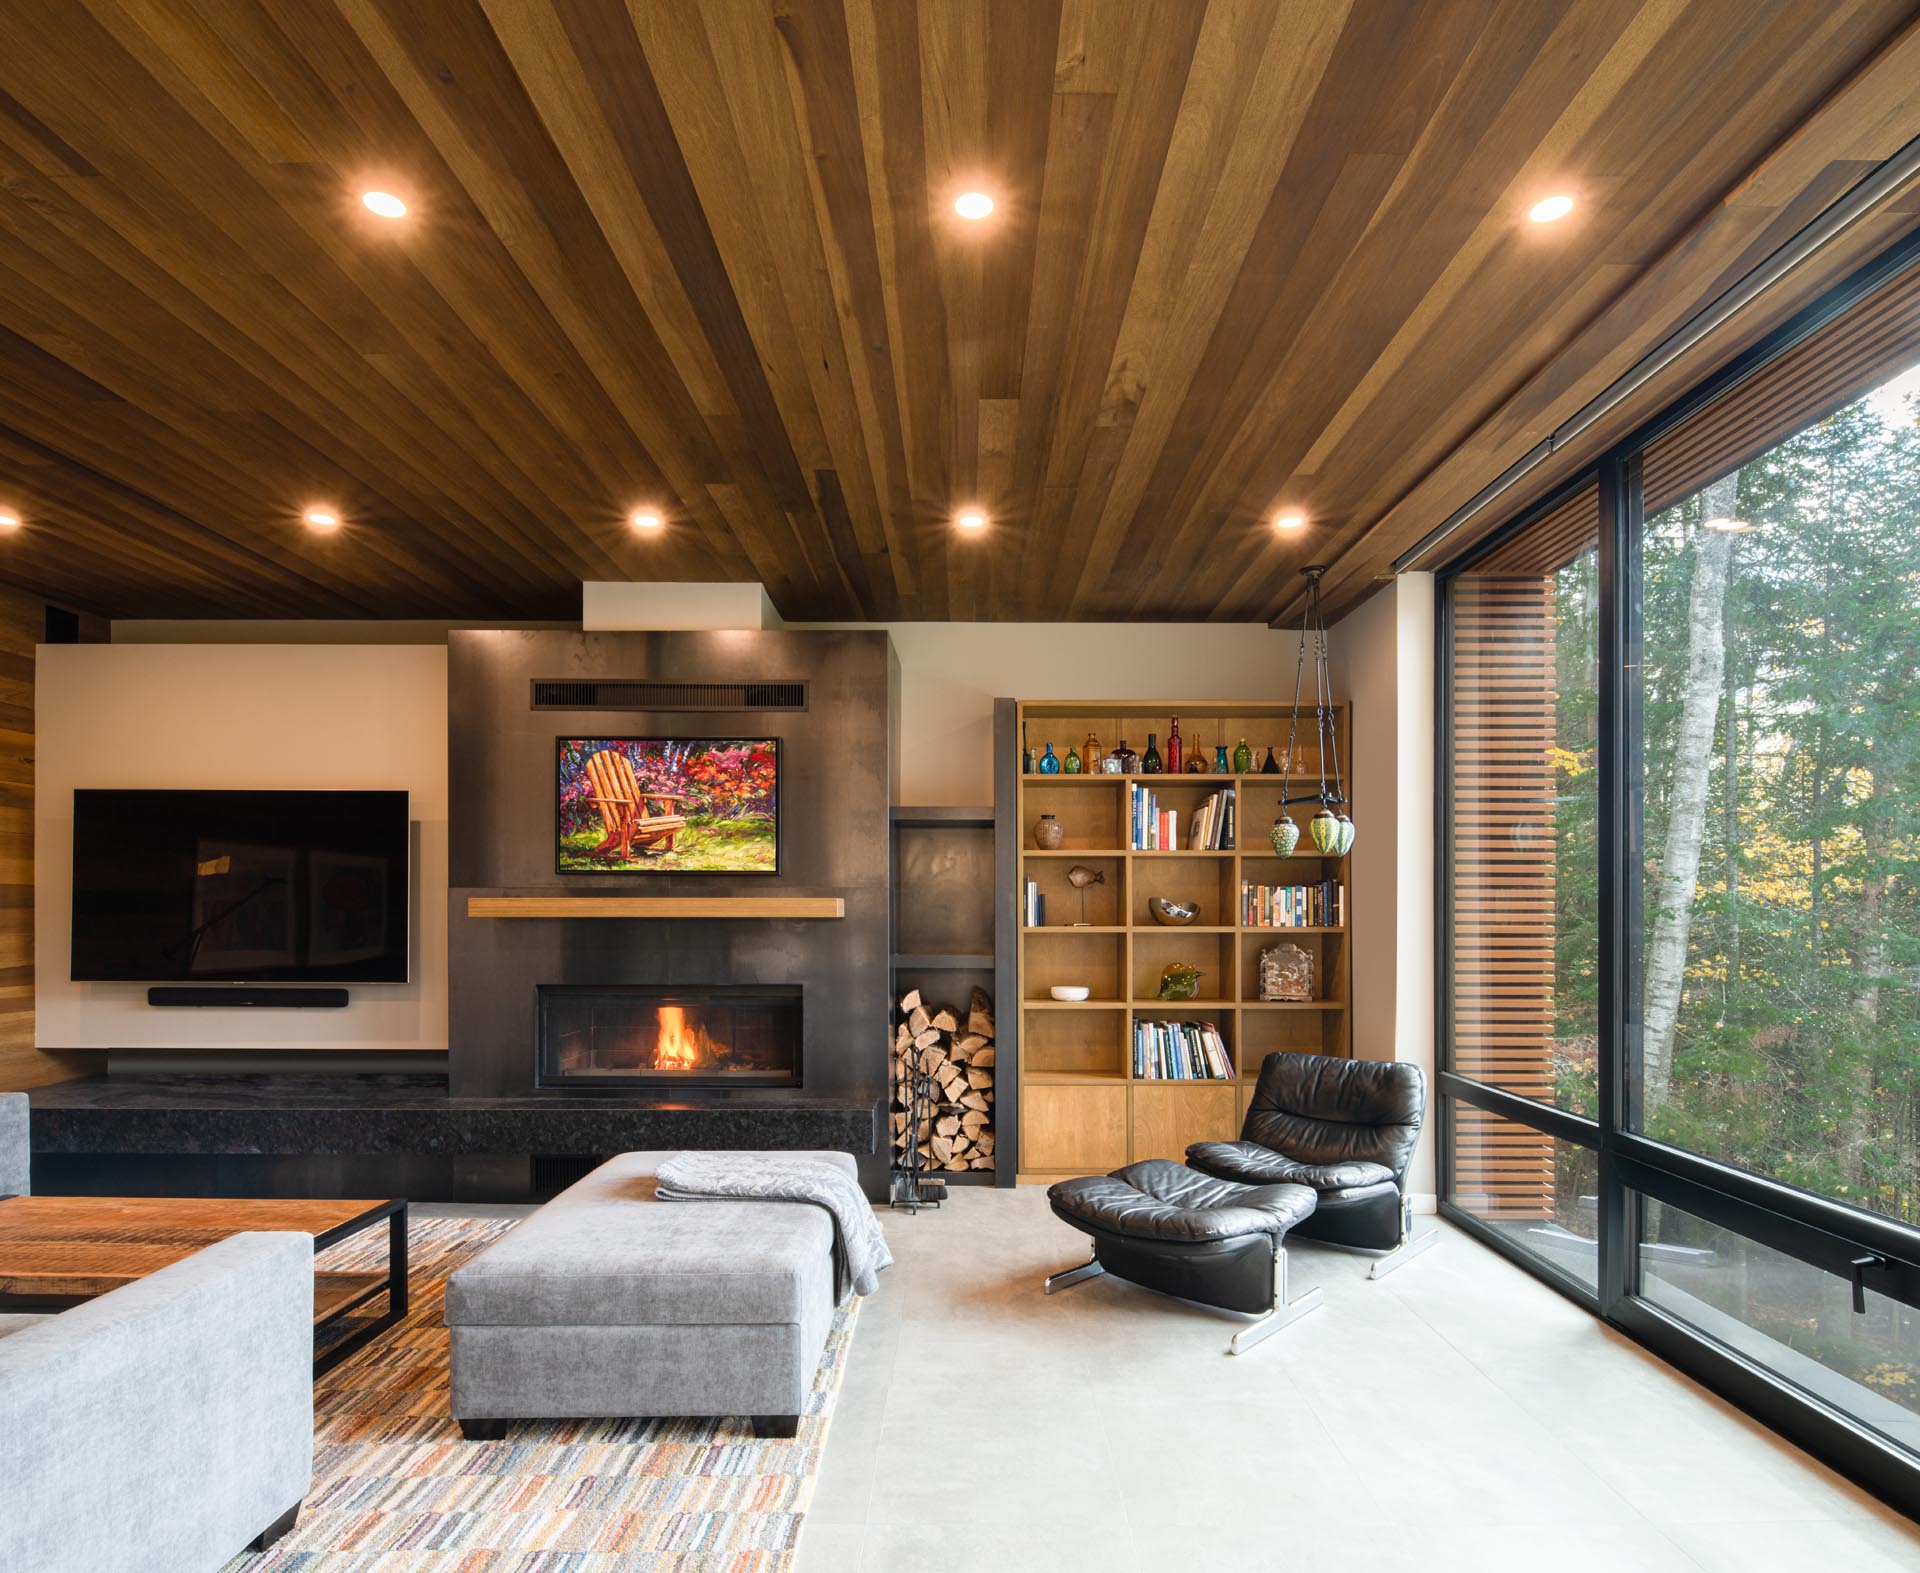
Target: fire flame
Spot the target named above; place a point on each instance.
(680, 1047)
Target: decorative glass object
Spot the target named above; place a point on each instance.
(1173, 748)
(1197, 763)
(1179, 980)
(1220, 765)
(1072, 766)
(1048, 834)
(1090, 755)
(1129, 760)
(1113, 764)
(1331, 830)
(1325, 830)
(1269, 766)
(1049, 762)
(1286, 973)
(1285, 836)
(1242, 759)
(1150, 760)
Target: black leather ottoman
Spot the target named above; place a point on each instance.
(1167, 1227)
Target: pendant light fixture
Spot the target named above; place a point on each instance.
(1331, 828)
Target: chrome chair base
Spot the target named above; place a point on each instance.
(1284, 1311)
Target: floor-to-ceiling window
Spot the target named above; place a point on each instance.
(1681, 890)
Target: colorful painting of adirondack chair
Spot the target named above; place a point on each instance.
(632, 805)
(633, 817)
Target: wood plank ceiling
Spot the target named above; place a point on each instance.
(703, 257)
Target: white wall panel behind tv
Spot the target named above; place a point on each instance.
(240, 716)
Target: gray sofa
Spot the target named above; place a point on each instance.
(609, 1303)
(165, 1427)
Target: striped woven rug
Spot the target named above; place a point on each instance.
(397, 1490)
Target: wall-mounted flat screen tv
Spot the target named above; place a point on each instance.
(256, 887)
(669, 805)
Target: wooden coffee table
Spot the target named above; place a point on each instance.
(56, 1251)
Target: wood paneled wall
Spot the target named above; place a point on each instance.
(23, 623)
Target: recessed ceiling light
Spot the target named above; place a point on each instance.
(1548, 209)
(385, 204)
(322, 519)
(1290, 519)
(1727, 525)
(973, 204)
(9, 520)
(971, 519)
(644, 519)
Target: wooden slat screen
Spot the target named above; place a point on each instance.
(1502, 909)
(1865, 347)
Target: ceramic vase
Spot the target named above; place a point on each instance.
(1048, 834)
(1285, 836)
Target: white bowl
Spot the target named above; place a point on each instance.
(1069, 991)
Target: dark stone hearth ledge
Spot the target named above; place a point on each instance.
(296, 1114)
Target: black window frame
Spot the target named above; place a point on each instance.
(1815, 1229)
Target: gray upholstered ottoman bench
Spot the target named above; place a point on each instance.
(1167, 1227)
(609, 1303)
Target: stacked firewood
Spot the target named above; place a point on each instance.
(943, 1084)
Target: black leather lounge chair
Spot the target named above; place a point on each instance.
(1348, 1129)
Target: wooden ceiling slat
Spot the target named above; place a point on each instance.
(701, 254)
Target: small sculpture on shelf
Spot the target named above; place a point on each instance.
(1080, 877)
(1286, 973)
(1179, 980)
(1048, 834)
(1174, 914)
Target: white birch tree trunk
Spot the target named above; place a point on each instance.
(1666, 955)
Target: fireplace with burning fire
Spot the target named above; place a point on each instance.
(624, 1037)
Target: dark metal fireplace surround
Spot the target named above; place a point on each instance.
(626, 1037)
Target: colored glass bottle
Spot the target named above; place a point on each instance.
(1072, 766)
(1150, 760)
(1242, 759)
(1090, 755)
(1129, 760)
(1220, 765)
(1173, 747)
(1049, 763)
(1269, 766)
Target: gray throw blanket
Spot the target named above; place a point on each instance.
(859, 1249)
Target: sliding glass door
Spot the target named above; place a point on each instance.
(1681, 891)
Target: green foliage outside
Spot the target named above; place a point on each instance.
(1797, 1047)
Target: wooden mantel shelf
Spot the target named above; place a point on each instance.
(656, 907)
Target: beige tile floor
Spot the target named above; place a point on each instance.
(1458, 1415)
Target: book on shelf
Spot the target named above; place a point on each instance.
(1151, 827)
(1322, 904)
(1035, 905)
(1180, 1051)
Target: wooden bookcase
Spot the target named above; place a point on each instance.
(1081, 1109)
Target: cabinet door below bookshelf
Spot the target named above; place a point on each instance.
(1167, 1118)
(1078, 1130)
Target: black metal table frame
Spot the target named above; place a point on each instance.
(394, 1285)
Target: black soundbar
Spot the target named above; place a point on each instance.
(282, 999)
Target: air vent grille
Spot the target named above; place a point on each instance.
(643, 694)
